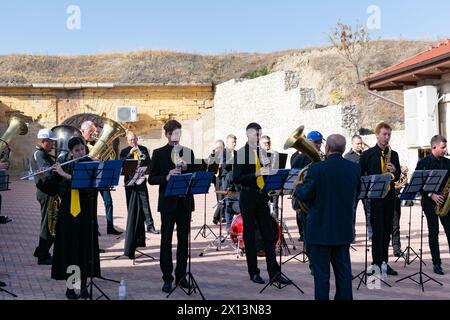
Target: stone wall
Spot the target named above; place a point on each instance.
(278, 104)
(155, 104)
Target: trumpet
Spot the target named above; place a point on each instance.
(141, 156)
(51, 168)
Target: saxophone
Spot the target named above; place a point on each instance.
(387, 159)
(52, 214)
(442, 210)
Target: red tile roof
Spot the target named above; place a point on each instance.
(440, 49)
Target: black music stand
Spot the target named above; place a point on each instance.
(206, 166)
(96, 176)
(372, 187)
(137, 179)
(4, 186)
(276, 181)
(431, 184)
(409, 194)
(186, 185)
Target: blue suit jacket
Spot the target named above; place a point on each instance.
(330, 188)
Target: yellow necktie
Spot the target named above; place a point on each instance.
(383, 169)
(260, 179)
(135, 155)
(75, 207)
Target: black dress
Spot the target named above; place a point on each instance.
(75, 243)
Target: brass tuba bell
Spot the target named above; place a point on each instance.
(16, 126)
(298, 141)
(103, 149)
(63, 134)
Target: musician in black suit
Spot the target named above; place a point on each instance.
(137, 200)
(376, 161)
(249, 173)
(330, 187)
(170, 160)
(436, 160)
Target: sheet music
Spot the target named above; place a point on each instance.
(377, 185)
(138, 177)
(434, 181)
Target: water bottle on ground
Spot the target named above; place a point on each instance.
(122, 289)
(384, 270)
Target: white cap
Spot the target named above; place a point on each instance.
(46, 134)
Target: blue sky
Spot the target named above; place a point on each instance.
(205, 26)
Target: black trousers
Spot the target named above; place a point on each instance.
(254, 207)
(433, 230)
(143, 196)
(45, 238)
(381, 219)
(396, 244)
(339, 257)
(182, 217)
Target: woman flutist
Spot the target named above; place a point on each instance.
(73, 242)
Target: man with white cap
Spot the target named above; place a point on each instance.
(41, 159)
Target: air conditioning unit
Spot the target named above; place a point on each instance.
(126, 114)
(421, 116)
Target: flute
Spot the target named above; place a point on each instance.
(51, 168)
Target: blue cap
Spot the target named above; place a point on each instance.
(315, 136)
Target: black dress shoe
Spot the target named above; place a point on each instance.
(71, 295)
(84, 294)
(257, 279)
(438, 269)
(5, 219)
(2, 284)
(101, 250)
(391, 271)
(281, 279)
(185, 284)
(398, 253)
(114, 232)
(167, 287)
(45, 261)
(152, 229)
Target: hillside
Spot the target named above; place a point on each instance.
(322, 68)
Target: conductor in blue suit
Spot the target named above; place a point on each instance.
(330, 188)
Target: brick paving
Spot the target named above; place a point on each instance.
(220, 274)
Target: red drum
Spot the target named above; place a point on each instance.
(237, 233)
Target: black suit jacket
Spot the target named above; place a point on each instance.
(159, 169)
(330, 187)
(370, 163)
(125, 154)
(299, 161)
(245, 168)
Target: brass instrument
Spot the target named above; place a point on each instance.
(298, 141)
(403, 180)
(52, 213)
(16, 126)
(387, 159)
(442, 210)
(102, 149)
(63, 134)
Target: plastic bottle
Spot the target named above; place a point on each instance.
(384, 270)
(122, 289)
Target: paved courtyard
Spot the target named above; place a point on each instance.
(219, 274)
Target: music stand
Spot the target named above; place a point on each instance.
(431, 184)
(186, 185)
(138, 177)
(409, 194)
(275, 182)
(206, 166)
(96, 176)
(372, 187)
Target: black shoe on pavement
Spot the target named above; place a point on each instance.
(167, 287)
(438, 269)
(257, 279)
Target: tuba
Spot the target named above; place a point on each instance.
(64, 133)
(298, 141)
(16, 126)
(103, 149)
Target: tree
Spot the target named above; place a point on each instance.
(351, 44)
